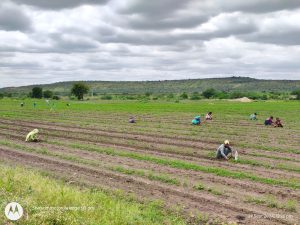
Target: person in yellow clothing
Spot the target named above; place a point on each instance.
(32, 136)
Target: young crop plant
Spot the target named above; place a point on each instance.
(271, 202)
(201, 187)
(148, 174)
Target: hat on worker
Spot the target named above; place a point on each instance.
(226, 142)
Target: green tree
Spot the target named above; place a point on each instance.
(79, 89)
(208, 93)
(37, 92)
(48, 94)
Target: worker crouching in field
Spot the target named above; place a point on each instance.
(269, 121)
(225, 151)
(278, 123)
(131, 120)
(253, 116)
(196, 120)
(208, 116)
(32, 136)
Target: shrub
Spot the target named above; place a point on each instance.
(195, 96)
(106, 97)
(208, 93)
(297, 93)
(55, 97)
(48, 94)
(184, 96)
(170, 95)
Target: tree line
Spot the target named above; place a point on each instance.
(79, 89)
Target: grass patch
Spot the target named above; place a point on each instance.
(199, 187)
(271, 202)
(91, 206)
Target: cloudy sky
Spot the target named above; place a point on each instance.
(43, 41)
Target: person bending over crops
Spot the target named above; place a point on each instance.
(269, 121)
(196, 120)
(208, 116)
(131, 119)
(32, 136)
(278, 123)
(224, 151)
(253, 116)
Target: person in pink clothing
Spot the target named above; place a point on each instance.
(208, 116)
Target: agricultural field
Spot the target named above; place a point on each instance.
(161, 170)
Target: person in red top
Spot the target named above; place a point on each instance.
(278, 123)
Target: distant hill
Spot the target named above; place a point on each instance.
(243, 84)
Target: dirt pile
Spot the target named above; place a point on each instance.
(244, 99)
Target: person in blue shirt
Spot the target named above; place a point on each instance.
(196, 120)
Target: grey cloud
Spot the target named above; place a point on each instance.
(257, 6)
(59, 4)
(226, 25)
(73, 44)
(6, 54)
(153, 40)
(171, 14)
(277, 37)
(144, 23)
(229, 25)
(138, 39)
(160, 15)
(20, 65)
(151, 8)
(13, 19)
